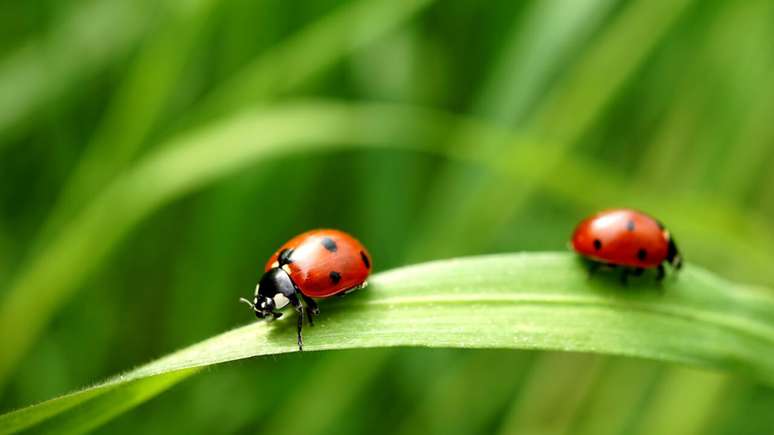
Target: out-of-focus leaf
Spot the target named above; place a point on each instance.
(97, 32)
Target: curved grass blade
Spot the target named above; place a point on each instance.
(306, 53)
(110, 402)
(518, 301)
(43, 70)
(559, 121)
(538, 48)
(211, 153)
(139, 101)
(135, 107)
(697, 394)
(554, 387)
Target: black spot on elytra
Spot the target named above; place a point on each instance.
(630, 225)
(597, 244)
(284, 257)
(335, 277)
(329, 244)
(642, 254)
(365, 259)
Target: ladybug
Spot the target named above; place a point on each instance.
(628, 239)
(315, 264)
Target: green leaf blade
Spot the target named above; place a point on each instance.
(518, 301)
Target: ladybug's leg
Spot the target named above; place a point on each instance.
(300, 327)
(625, 275)
(300, 310)
(594, 267)
(311, 308)
(638, 271)
(660, 273)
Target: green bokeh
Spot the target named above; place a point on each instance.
(660, 104)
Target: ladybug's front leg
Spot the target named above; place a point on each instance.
(660, 273)
(300, 310)
(627, 271)
(593, 267)
(311, 308)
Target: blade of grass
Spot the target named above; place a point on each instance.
(550, 401)
(185, 164)
(561, 119)
(754, 143)
(326, 389)
(736, 60)
(42, 70)
(139, 101)
(537, 48)
(669, 153)
(331, 38)
(599, 76)
(683, 403)
(610, 407)
(431, 393)
(661, 161)
(305, 54)
(135, 106)
(523, 301)
(93, 414)
(712, 122)
(746, 409)
(202, 157)
(488, 380)
(525, 419)
(553, 397)
(766, 197)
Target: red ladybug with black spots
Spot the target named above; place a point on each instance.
(628, 239)
(315, 264)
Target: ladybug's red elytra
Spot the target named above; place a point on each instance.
(314, 264)
(626, 238)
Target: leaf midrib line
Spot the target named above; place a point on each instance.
(751, 328)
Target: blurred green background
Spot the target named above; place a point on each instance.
(664, 105)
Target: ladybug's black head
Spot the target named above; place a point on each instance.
(673, 254)
(262, 306)
(273, 292)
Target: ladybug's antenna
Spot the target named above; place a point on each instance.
(247, 302)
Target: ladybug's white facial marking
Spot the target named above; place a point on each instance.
(275, 264)
(280, 301)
